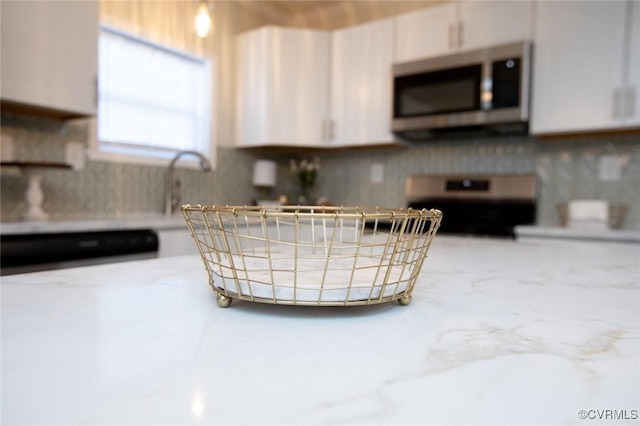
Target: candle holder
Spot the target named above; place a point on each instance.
(34, 195)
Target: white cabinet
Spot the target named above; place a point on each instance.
(361, 84)
(425, 33)
(283, 87)
(586, 66)
(175, 242)
(458, 26)
(308, 88)
(50, 56)
(632, 99)
(489, 23)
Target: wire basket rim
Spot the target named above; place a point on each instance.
(316, 211)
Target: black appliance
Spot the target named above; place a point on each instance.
(48, 251)
(484, 90)
(476, 204)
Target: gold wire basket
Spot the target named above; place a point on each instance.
(315, 256)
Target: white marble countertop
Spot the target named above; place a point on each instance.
(87, 224)
(556, 232)
(499, 332)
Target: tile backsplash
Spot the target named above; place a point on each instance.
(106, 188)
(567, 169)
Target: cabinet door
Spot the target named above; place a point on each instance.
(251, 106)
(283, 87)
(361, 84)
(633, 76)
(489, 23)
(299, 86)
(50, 55)
(577, 72)
(175, 242)
(426, 33)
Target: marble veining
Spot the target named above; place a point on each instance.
(499, 332)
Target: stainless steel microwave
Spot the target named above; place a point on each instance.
(480, 90)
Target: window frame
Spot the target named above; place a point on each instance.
(97, 153)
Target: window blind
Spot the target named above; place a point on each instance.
(153, 100)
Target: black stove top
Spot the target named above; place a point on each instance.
(476, 205)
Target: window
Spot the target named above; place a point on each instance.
(153, 101)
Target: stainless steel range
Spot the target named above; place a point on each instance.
(476, 204)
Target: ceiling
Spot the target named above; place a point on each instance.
(286, 10)
(295, 7)
(331, 14)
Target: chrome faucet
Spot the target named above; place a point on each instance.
(172, 199)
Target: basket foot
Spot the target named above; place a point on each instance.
(405, 300)
(223, 301)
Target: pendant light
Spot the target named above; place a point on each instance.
(203, 20)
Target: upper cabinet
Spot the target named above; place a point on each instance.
(458, 26)
(361, 84)
(587, 66)
(50, 57)
(633, 76)
(282, 87)
(308, 88)
(489, 23)
(425, 33)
